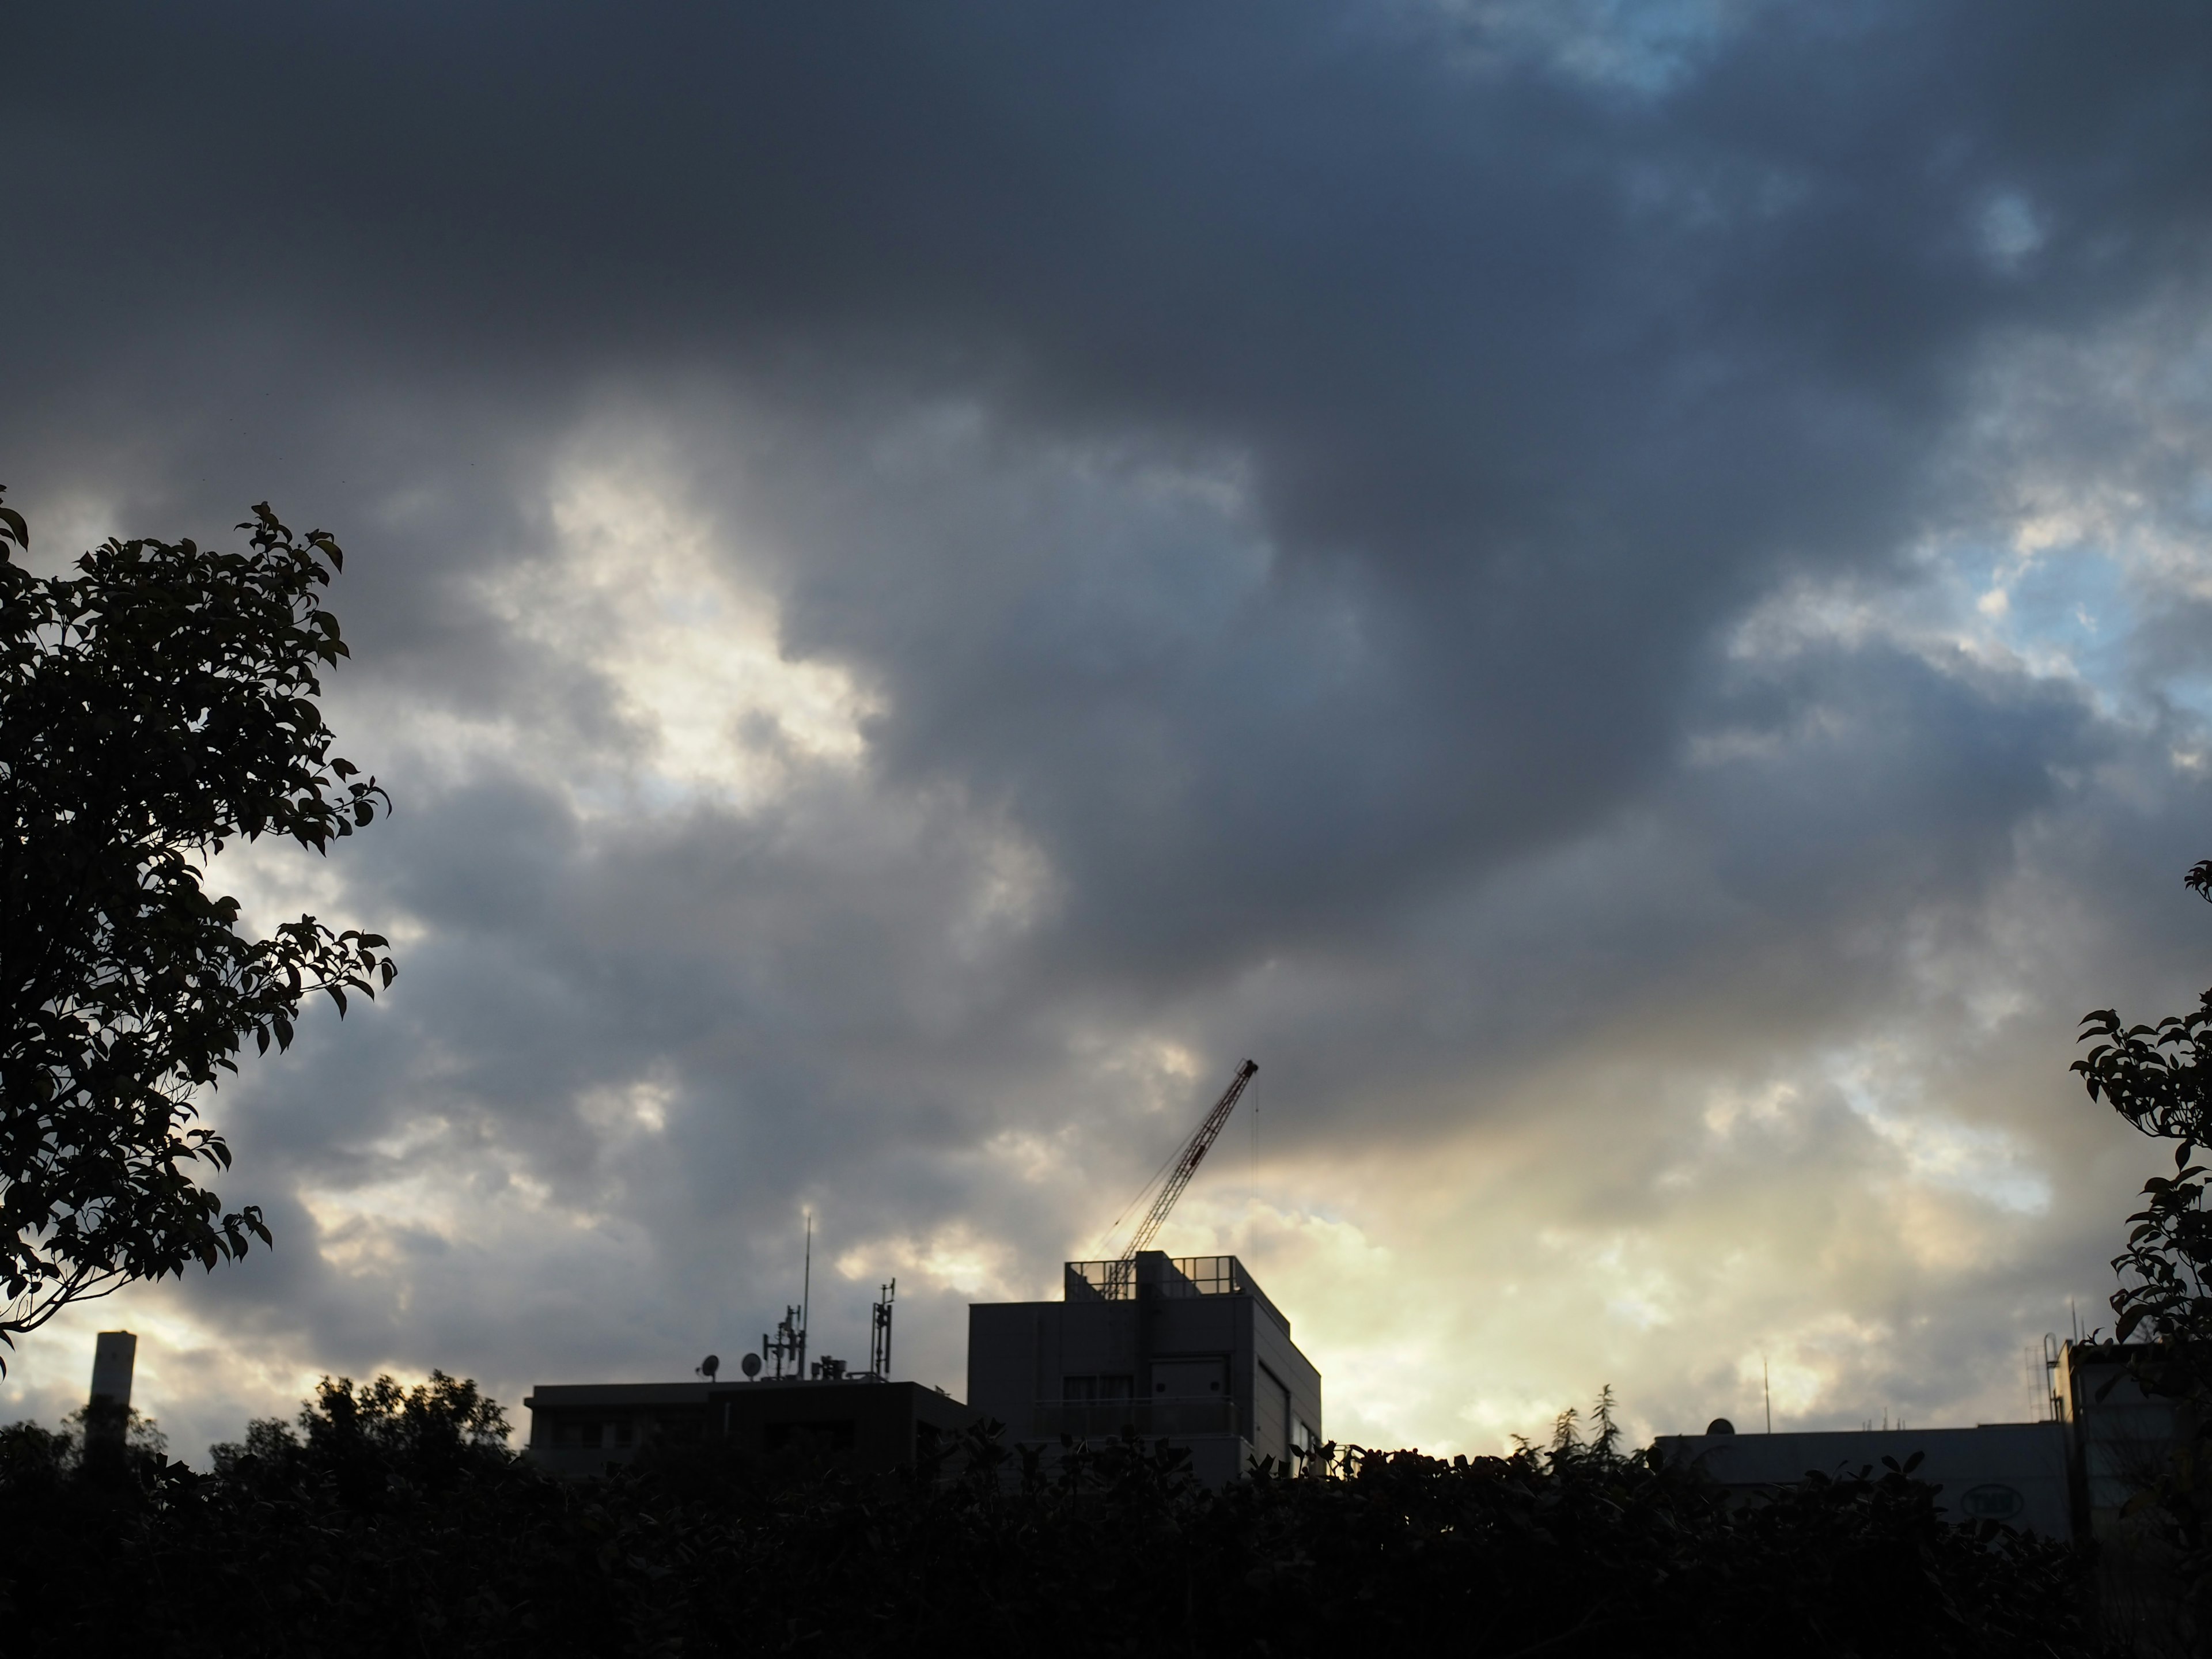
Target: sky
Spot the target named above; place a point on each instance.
(1617, 595)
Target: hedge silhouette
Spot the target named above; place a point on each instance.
(394, 1523)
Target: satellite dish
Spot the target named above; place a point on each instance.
(750, 1364)
(709, 1366)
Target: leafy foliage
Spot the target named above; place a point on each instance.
(434, 1433)
(155, 707)
(390, 1522)
(2159, 1078)
(28, 1452)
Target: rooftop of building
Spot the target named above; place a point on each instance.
(1156, 1273)
(679, 1394)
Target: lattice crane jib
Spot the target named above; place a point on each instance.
(1187, 1162)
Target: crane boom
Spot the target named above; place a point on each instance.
(1187, 1162)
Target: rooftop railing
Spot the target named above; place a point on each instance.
(1155, 1273)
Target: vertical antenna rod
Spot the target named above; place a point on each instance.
(1766, 1387)
(806, 1294)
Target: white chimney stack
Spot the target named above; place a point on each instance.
(107, 1415)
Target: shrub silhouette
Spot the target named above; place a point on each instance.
(390, 1521)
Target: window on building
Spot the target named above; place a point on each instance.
(625, 1432)
(834, 1435)
(678, 1426)
(1190, 1378)
(1088, 1389)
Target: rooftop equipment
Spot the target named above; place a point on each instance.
(789, 1344)
(879, 1332)
(786, 1350)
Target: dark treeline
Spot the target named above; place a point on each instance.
(390, 1522)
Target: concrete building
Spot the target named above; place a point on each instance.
(1188, 1350)
(2120, 1437)
(581, 1428)
(2070, 1476)
(2119, 1442)
(863, 1423)
(2073, 1475)
(2015, 1473)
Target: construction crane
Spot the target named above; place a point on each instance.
(1175, 1175)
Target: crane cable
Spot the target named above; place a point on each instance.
(1144, 1196)
(1183, 1163)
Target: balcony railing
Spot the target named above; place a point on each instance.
(1107, 1419)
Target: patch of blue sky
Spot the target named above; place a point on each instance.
(1989, 1162)
(1650, 45)
(2068, 610)
(1646, 46)
(2191, 693)
(2076, 603)
(2092, 605)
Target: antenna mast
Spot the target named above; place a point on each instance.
(880, 1332)
(1187, 1162)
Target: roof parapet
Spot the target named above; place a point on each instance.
(1156, 1273)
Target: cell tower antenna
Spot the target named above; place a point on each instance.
(880, 1332)
(787, 1346)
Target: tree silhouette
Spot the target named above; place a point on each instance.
(2159, 1078)
(156, 706)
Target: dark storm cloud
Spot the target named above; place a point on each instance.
(1564, 369)
(1460, 315)
(1301, 478)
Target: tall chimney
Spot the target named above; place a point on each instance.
(107, 1414)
